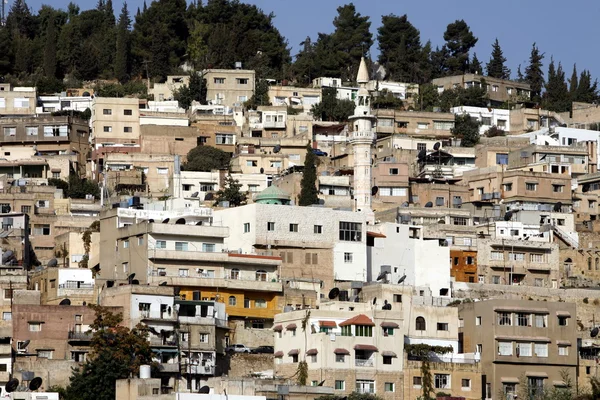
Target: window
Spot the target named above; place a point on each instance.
(261, 275)
(516, 256)
(140, 240)
(486, 121)
(232, 301)
(417, 381)
(523, 349)
(242, 81)
(223, 138)
(8, 293)
(523, 319)
(127, 129)
(107, 128)
(501, 159)
(7, 316)
(495, 279)
(26, 209)
(502, 124)
(541, 321)
(497, 255)
(507, 187)
(540, 349)
(41, 230)
(340, 358)
(421, 146)
(293, 227)
(346, 330)
(442, 326)
(219, 81)
(563, 350)
(350, 231)
(107, 111)
(365, 386)
(558, 188)
(313, 359)
(442, 381)
(442, 125)
(31, 130)
(422, 125)
(397, 298)
(388, 331)
(181, 246)
(460, 221)
(2, 101)
(10, 131)
(563, 321)
(184, 272)
(35, 327)
(504, 318)
(125, 244)
(363, 330)
(275, 164)
(535, 386)
(465, 384)
(420, 324)
(270, 226)
(393, 171)
(340, 385)
(318, 229)
(204, 338)
(389, 387)
(208, 247)
(532, 187)
(44, 354)
(246, 227)
(347, 257)
(477, 321)
(505, 348)
(127, 112)
(295, 356)
(161, 244)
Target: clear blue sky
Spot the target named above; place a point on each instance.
(568, 30)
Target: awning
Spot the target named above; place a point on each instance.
(389, 354)
(536, 374)
(55, 170)
(563, 342)
(312, 352)
(563, 314)
(291, 327)
(278, 328)
(525, 338)
(293, 352)
(367, 347)
(559, 383)
(360, 319)
(375, 234)
(522, 309)
(328, 324)
(342, 352)
(390, 325)
(278, 354)
(505, 379)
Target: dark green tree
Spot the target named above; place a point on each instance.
(260, 96)
(587, 91)
(520, 76)
(439, 62)
(305, 66)
(428, 97)
(327, 61)
(459, 42)
(194, 91)
(573, 82)
(79, 188)
(50, 49)
(496, 67)
(400, 49)
(386, 100)
(352, 396)
(556, 97)
(534, 74)
(206, 158)
(351, 40)
(117, 353)
(475, 66)
(331, 108)
(308, 184)
(231, 192)
(467, 129)
(123, 46)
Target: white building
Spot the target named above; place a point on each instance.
(273, 225)
(562, 136)
(343, 92)
(49, 104)
(196, 184)
(401, 251)
(487, 117)
(400, 90)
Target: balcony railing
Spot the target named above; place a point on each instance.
(83, 336)
(168, 367)
(274, 124)
(76, 285)
(198, 369)
(363, 363)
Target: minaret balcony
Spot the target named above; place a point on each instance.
(362, 136)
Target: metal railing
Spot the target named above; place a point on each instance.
(76, 285)
(363, 363)
(80, 335)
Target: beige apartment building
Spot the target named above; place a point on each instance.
(229, 87)
(140, 172)
(268, 155)
(299, 98)
(16, 101)
(566, 160)
(525, 346)
(423, 124)
(115, 121)
(164, 91)
(499, 91)
(351, 351)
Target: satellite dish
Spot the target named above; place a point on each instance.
(195, 194)
(26, 343)
(594, 332)
(374, 300)
(321, 383)
(52, 263)
(276, 149)
(7, 256)
(382, 275)
(150, 221)
(374, 190)
(162, 284)
(422, 154)
(110, 284)
(262, 170)
(334, 293)
(436, 146)
(12, 385)
(180, 221)
(508, 215)
(166, 221)
(557, 207)
(204, 390)
(65, 302)
(209, 197)
(130, 278)
(405, 204)
(429, 204)
(387, 307)
(402, 278)
(585, 188)
(35, 384)
(135, 282)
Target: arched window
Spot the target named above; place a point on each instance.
(235, 273)
(261, 275)
(420, 324)
(232, 301)
(589, 263)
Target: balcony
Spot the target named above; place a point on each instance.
(43, 210)
(161, 254)
(363, 363)
(189, 230)
(198, 369)
(170, 368)
(80, 336)
(274, 125)
(159, 342)
(202, 280)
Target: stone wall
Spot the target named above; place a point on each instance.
(53, 372)
(240, 365)
(249, 336)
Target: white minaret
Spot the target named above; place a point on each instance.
(361, 139)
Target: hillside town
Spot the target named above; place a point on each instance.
(228, 235)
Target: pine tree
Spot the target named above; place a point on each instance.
(231, 192)
(400, 49)
(587, 92)
(123, 49)
(459, 41)
(467, 129)
(496, 68)
(305, 66)
(573, 82)
(475, 66)
(50, 49)
(556, 96)
(534, 74)
(308, 184)
(520, 77)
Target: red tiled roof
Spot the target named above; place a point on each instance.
(342, 351)
(291, 327)
(360, 319)
(390, 325)
(328, 324)
(293, 352)
(278, 328)
(312, 352)
(368, 347)
(278, 354)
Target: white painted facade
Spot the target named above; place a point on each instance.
(562, 136)
(424, 262)
(51, 104)
(487, 117)
(200, 183)
(72, 277)
(248, 225)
